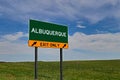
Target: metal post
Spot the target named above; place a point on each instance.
(36, 65)
(61, 74)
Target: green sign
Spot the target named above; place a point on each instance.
(48, 32)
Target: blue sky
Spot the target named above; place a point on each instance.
(94, 28)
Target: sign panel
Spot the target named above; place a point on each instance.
(47, 35)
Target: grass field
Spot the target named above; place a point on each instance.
(72, 70)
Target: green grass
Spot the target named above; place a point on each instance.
(72, 70)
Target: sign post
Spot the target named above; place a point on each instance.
(36, 64)
(47, 35)
(61, 69)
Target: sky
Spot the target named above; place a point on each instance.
(94, 29)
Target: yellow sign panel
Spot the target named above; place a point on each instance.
(44, 44)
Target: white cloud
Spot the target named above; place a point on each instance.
(80, 26)
(16, 36)
(97, 42)
(101, 32)
(7, 47)
(93, 10)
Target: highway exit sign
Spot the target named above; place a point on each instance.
(47, 35)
